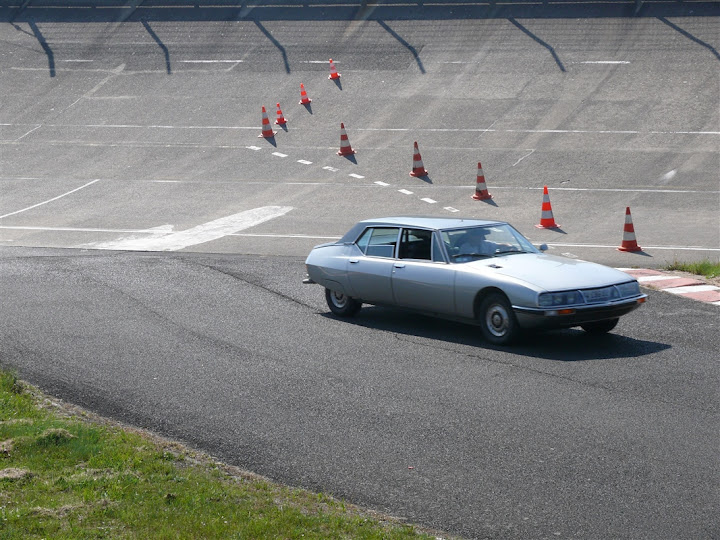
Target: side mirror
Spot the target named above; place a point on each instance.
(543, 247)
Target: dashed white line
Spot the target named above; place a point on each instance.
(451, 209)
(379, 183)
(356, 175)
(279, 154)
(331, 169)
(253, 148)
(405, 191)
(429, 200)
(304, 161)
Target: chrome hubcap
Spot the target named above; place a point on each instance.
(338, 299)
(497, 320)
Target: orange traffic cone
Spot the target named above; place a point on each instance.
(628, 242)
(266, 129)
(345, 148)
(418, 168)
(333, 72)
(304, 99)
(280, 118)
(481, 191)
(546, 219)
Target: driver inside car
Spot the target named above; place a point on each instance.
(475, 243)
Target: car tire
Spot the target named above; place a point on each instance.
(497, 320)
(341, 304)
(600, 327)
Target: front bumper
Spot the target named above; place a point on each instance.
(565, 317)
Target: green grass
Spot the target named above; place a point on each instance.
(705, 268)
(69, 476)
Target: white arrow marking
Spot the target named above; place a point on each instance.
(197, 235)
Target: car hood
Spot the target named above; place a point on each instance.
(550, 272)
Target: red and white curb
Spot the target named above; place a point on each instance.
(683, 286)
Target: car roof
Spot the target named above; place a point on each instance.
(437, 223)
(430, 222)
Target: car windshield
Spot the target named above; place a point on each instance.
(472, 243)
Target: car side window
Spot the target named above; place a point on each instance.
(379, 241)
(415, 244)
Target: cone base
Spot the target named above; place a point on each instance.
(550, 226)
(306, 102)
(419, 173)
(281, 122)
(632, 248)
(267, 134)
(481, 196)
(334, 76)
(346, 152)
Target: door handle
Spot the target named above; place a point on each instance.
(353, 261)
(399, 265)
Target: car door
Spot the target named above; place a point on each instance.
(421, 278)
(369, 271)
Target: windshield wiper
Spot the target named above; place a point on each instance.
(509, 252)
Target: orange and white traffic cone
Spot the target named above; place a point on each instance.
(333, 72)
(304, 99)
(629, 243)
(345, 148)
(280, 118)
(418, 168)
(266, 129)
(481, 191)
(547, 221)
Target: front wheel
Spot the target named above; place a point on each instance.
(600, 327)
(341, 304)
(497, 320)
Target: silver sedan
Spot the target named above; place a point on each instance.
(483, 272)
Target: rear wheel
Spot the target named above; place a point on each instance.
(497, 320)
(600, 327)
(341, 304)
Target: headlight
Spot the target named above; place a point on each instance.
(629, 289)
(567, 298)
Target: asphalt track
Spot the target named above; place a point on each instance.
(124, 131)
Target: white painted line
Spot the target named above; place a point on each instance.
(643, 279)
(197, 235)
(50, 200)
(451, 209)
(356, 175)
(164, 229)
(428, 200)
(279, 154)
(379, 183)
(645, 248)
(715, 303)
(304, 162)
(312, 237)
(526, 155)
(692, 288)
(405, 192)
(76, 60)
(253, 148)
(332, 169)
(166, 181)
(415, 129)
(211, 61)
(605, 62)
